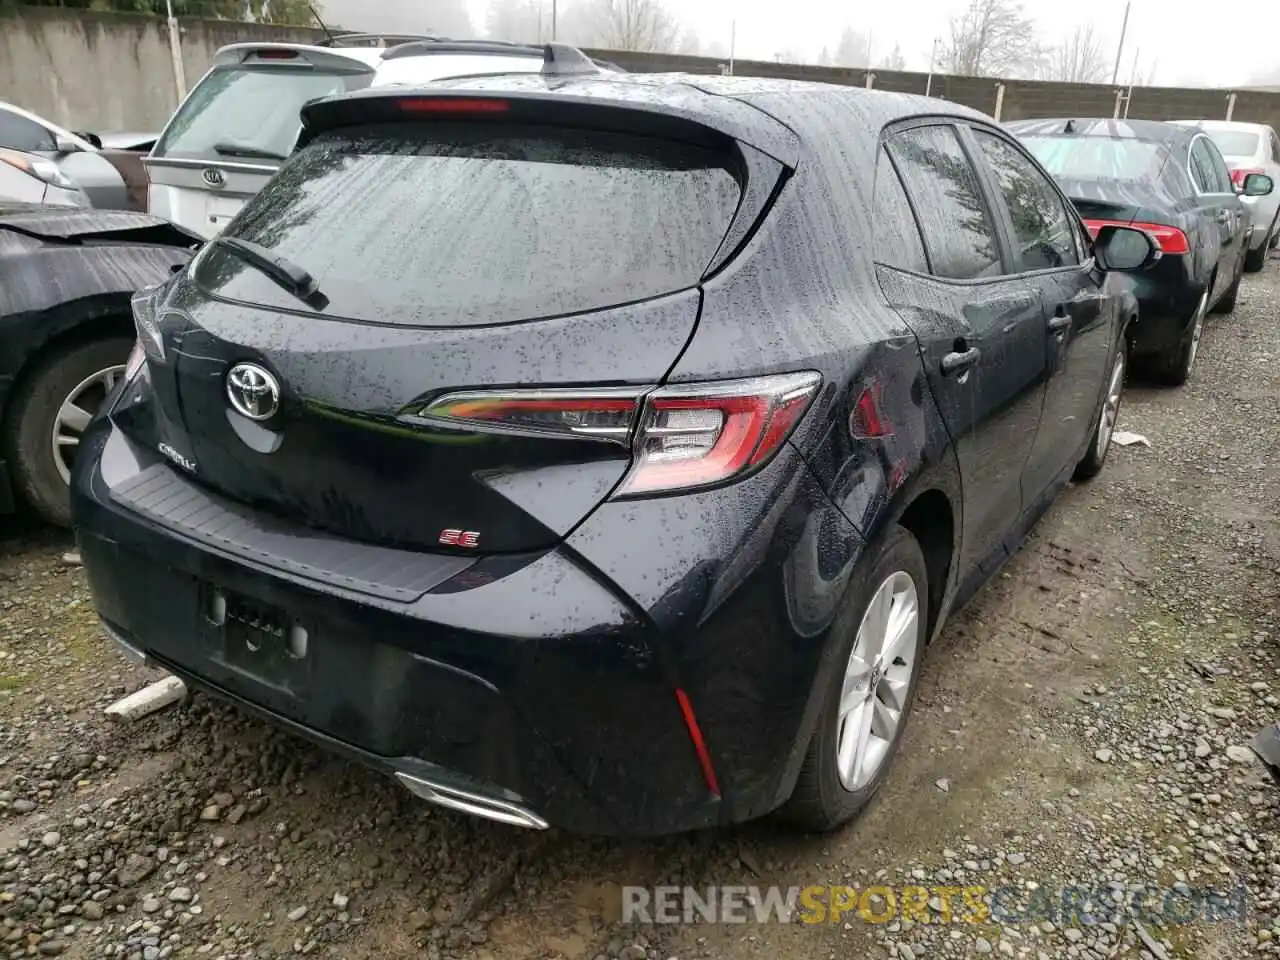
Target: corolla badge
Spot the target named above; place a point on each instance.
(253, 391)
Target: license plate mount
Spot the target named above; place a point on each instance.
(261, 641)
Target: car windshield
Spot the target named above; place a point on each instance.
(1098, 158)
(1235, 143)
(247, 113)
(471, 223)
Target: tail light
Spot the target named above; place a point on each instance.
(682, 437)
(1167, 239)
(146, 321)
(696, 435)
(137, 356)
(1238, 177)
(452, 106)
(272, 53)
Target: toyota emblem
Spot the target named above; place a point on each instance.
(253, 391)
(213, 177)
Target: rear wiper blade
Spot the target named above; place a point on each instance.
(283, 271)
(227, 149)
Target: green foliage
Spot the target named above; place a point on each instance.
(267, 11)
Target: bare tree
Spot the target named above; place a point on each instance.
(825, 59)
(1079, 58)
(992, 38)
(894, 61)
(853, 50)
(645, 25)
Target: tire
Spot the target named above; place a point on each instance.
(1174, 367)
(1255, 260)
(1108, 413)
(29, 435)
(822, 799)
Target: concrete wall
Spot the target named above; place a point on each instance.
(103, 72)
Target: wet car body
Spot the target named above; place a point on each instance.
(491, 616)
(66, 276)
(1166, 176)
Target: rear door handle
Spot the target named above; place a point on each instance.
(954, 363)
(1059, 322)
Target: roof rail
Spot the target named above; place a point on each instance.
(560, 59)
(374, 39)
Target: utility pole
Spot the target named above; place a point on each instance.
(933, 59)
(175, 52)
(553, 20)
(733, 39)
(1124, 27)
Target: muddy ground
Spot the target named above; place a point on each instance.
(1079, 726)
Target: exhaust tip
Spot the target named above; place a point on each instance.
(487, 808)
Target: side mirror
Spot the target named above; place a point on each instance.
(66, 145)
(1124, 249)
(1258, 185)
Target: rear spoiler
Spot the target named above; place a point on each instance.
(296, 55)
(591, 106)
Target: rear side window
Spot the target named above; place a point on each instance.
(898, 242)
(1208, 169)
(1042, 228)
(248, 113)
(19, 133)
(957, 226)
(458, 224)
(1098, 158)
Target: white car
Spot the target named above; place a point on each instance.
(1250, 148)
(240, 122)
(69, 167)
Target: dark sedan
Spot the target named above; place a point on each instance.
(1172, 182)
(603, 451)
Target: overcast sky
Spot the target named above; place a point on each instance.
(1211, 44)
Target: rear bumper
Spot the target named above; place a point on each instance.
(1262, 213)
(538, 684)
(1167, 300)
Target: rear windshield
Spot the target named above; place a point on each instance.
(248, 113)
(1098, 158)
(1235, 143)
(457, 224)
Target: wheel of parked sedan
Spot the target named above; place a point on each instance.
(54, 405)
(1108, 414)
(1179, 364)
(869, 698)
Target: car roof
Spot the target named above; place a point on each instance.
(771, 114)
(58, 130)
(1157, 131)
(1224, 125)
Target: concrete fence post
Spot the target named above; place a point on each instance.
(175, 52)
(871, 79)
(1231, 105)
(999, 100)
(1119, 100)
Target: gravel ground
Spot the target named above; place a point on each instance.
(1082, 724)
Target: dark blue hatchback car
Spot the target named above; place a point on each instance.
(602, 451)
